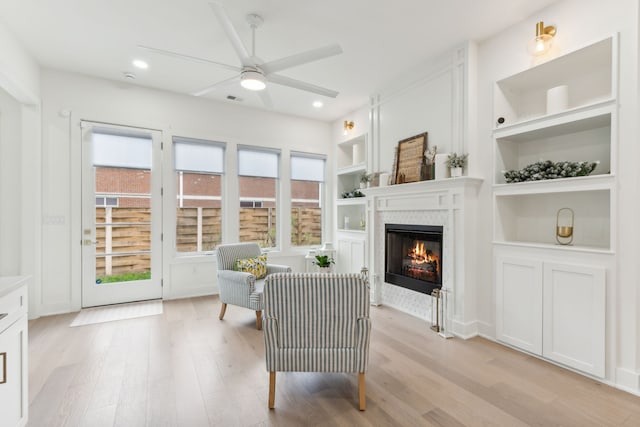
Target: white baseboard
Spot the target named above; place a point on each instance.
(191, 292)
(486, 330)
(464, 330)
(628, 380)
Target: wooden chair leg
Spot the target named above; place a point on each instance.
(259, 320)
(223, 309)
(272, 389)
(361, 396)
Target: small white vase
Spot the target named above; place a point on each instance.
(456, 172)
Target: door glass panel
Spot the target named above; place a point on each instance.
(123, 213)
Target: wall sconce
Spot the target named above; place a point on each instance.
(542, 42)
(348, 126)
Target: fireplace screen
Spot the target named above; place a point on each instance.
(413, 256)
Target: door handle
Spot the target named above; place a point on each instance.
(4, 367)
(89, 242)
(3, 315)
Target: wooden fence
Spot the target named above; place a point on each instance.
(197, 229)
(130, 232)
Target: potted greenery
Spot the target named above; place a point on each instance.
(365, 178)
(323, 262)
(455, 163)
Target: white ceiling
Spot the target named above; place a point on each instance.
(381, 39)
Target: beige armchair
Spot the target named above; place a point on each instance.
(316, 322)
(237, 287)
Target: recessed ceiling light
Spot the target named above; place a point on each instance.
(139, 63)
(318, 104)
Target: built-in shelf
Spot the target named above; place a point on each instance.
(555, 246)
(573, 120)
(560, 185)
(351, 201)
(348, 170)
(355, 231)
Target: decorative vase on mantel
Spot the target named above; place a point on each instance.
(455, 172)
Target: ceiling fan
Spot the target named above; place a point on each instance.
(253, 73)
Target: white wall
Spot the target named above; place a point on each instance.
(425, 99)
(10, 193)
(20, 227)
(579, 22)
(19, 73)
(106, 101)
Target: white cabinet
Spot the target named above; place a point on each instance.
(519, 303)
(574, 316)
(14, 399)
(554, 310)
(351, 254)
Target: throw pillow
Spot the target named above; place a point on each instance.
(256, 266)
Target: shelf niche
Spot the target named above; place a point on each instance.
(531, 218)
(587, 72)
(587, 139)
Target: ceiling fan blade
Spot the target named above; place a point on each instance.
(297, 84)
(266, 99)
(301, 58)
(213, 87)
(189, 58)
(231, 33)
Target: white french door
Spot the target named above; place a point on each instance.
(121, 214)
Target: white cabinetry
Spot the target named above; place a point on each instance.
(551, 298)
(519, 303)
(350, 212)
(554, 310)
(574, 316)
(14, 399)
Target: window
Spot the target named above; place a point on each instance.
(104, 201)
(307, 192)
(199, 167)
(258, 180)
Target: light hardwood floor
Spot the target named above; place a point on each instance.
(187, 368)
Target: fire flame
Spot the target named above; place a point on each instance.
(419, 255)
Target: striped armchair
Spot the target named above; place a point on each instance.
(316, 322)
(240, 288)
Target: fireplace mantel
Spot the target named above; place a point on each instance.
(450, 203)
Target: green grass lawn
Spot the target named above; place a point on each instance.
(126, 277)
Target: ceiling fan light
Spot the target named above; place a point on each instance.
(252, 80)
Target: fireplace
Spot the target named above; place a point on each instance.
(413, 256)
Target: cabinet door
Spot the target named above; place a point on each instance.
(574, 316)
(351, 255)
(13, 384)
(519, 303)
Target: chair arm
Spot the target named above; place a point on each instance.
(276, 268)
(237, 278)
(271, 342)
(363, 333)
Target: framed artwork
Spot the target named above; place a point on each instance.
(409, 159)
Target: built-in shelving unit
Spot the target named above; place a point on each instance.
(549, 294)
(585, 131)
(351, 164)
